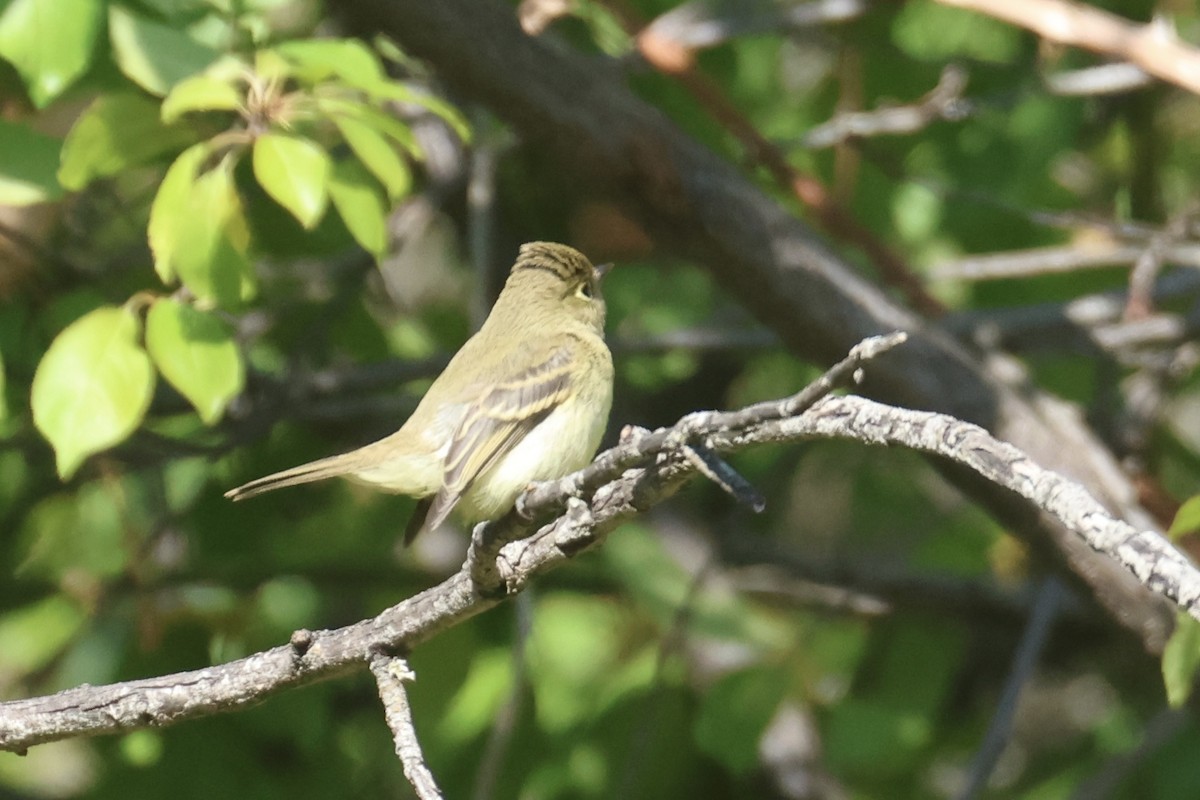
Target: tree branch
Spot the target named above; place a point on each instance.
(1153, 47)
(390, 674)
(614, 146)
(618, 485)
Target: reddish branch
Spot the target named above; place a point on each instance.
(674, 59)
(1153, 47)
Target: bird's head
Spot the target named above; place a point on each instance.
(550, 275)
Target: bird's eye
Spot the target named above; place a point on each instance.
(584, 291)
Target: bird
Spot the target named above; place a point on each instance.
(525, 399)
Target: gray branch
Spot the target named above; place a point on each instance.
(619, 484)
(390, 674)
(576, 112)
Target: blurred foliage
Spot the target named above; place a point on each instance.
(233, 239)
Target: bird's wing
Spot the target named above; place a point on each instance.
(494, 424)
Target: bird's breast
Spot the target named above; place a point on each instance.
(563, 442)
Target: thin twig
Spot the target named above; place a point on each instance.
(1150, 263)
(1029, 652)
(390, 674)
(698, 25)
(1050, 260)
(718, 470)
(944, 102)
(1095, 81)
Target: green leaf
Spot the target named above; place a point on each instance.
(92, 387)
(169, 210)
(28, 163)
(211, 240)
(1181, 659)
(50, 42)
(1187, 519)
(152, 55)
(377, 155)
(31, 636)
(196, 353)
(573, 654)
(360, 204)
(349, 59)
(295, 172)
(473, 709)
(84, 532)
(116, 132)
(875, 739)
(398, 92)
(735, 712)
(200, 93)
(380, 121)
(932, 32)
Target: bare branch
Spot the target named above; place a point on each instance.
(699, 24)
(1092, 81)
(1049, 260)
(390, 674)
(944, 102)
(579, 111)
(621, 483)
(1150, 263)
(718, 470)
(1153, 47)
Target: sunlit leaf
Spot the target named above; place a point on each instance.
(197, 355)
(295, 172)
(377, 155)
(473, 708)
(358, 200)
(348, 59)
(200, 93)
(169, 211)
(153, 55)
(400, 93)
(1181, 659)
(92, 387)
(571, 653)
(34, 634)
(50, 42)
(116, 132)
(339, 108)
(28, 165)
(210, 240)
(1187, 518)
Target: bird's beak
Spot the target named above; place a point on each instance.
(602, 269)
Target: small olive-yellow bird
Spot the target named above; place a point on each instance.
(525, 399)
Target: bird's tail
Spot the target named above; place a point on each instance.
(305, 473)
